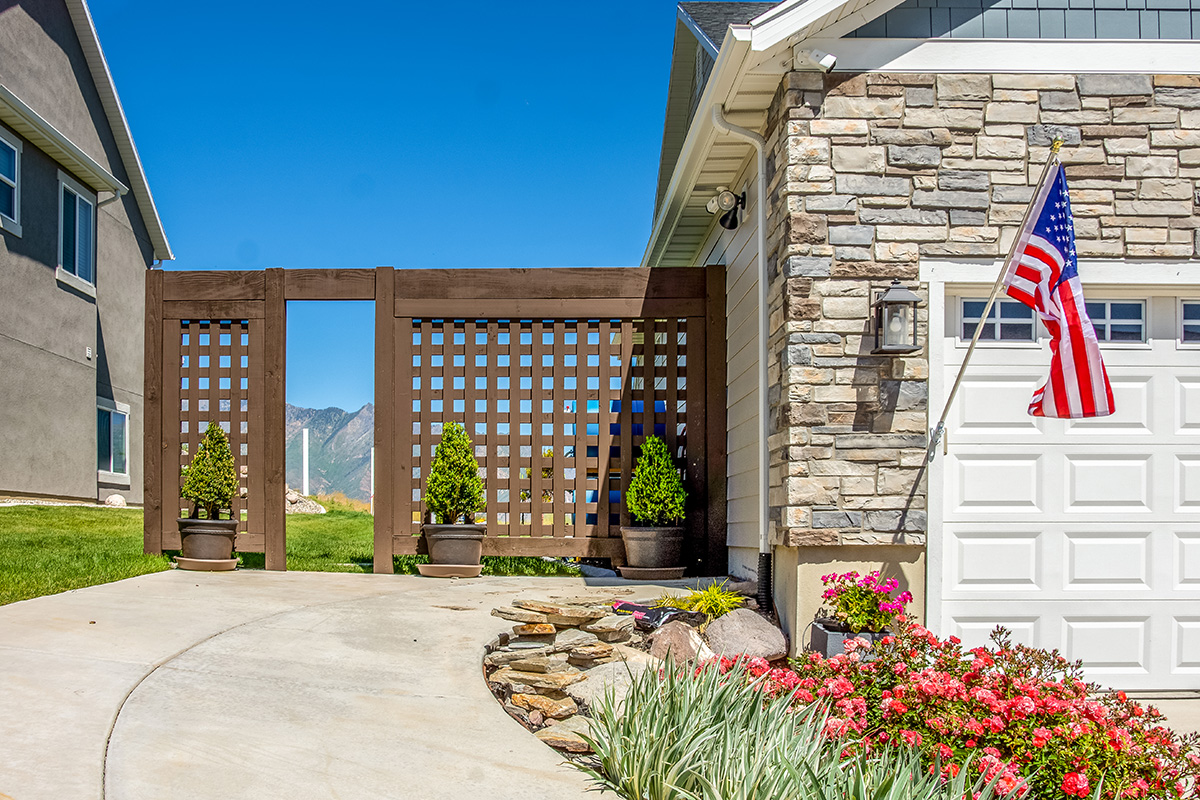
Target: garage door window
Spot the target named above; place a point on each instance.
(1008, 321)
(1191, 322)
(1118, 320)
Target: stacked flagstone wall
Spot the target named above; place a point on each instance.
(874, 173)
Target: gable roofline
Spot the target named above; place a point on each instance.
(701, 37)
(89, 40)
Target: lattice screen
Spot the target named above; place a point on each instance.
(557, 411)
(215, 382)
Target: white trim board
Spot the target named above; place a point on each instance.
(1091, 272)
(1013, 55)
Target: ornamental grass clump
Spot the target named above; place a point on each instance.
(721, 733)
(863, 602)
(210, 481)
(455, 490)
(656, 495)
(713, 601)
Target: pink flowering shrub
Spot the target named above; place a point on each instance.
(863, 602)
(1019, 715)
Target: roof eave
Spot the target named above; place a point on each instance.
(89, 40)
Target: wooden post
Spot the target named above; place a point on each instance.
(717, 557)
(152, 415)
(275, 352)
(386, 412)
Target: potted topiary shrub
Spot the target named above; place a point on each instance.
(209, 484)
(863, 607)
(655, 498)
(453, 494)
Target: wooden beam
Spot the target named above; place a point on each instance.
(549, 283)
(567, 547)
(214, 309)
(214, 285)
(329, 284)
(482, 306)
(275, 356)
(716, 560)
(152, 415)
(386, 412)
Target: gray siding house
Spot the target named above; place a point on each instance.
(78, 230)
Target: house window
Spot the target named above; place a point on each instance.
(10, 183)
(112, 440)
(1007, 321)
(1191, 322)
(76, 230)
(1118, 321)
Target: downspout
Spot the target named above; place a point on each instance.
(765, 593)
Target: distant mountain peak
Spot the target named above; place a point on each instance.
(339, 449)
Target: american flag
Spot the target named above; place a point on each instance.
(1044, 275)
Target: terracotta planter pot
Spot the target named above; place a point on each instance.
(829, 638)
(208, 539)
(454, 544)
(654, 548)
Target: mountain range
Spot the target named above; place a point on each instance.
(339, 449)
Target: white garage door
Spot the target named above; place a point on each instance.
(1082, 536)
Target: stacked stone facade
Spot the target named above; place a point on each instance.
(873, 173)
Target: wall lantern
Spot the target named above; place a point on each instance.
(896, 321)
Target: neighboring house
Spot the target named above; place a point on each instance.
(913, 160)
(78, 230)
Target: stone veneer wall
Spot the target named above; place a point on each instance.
(874, 172)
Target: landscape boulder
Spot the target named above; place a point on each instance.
(680, 641)
(744, 632)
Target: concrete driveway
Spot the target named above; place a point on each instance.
(266, 685)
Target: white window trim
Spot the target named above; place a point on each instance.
(1144, 344)
(104, 476)
(1020, 344)
(13, 224)
(1179, 342)
(62, 274)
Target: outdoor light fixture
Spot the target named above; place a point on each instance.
(729, 203)
(896, 321)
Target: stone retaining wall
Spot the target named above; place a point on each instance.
(873, 173)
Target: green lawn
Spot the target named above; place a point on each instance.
(50, 549)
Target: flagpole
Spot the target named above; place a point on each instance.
(939, 430)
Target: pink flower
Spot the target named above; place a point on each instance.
(1075, 784)
(911, 738)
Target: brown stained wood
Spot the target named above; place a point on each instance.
(214, 309)
(537, 453)
(580, 421)
(549, 283)
(423, 418)
(716, 447)
(696, 541)
(566, 547)
(169, 457)
(390, 393)
(604, 307)
(649, 349)
(152, 432)
(273, 416)
(513, 381)
(250, 542)
(558, 462)
(470, 372)
(605, 439)
(256, 445)
(492, 482)
(214, 285)
(330, 284)
(628, 372)
(672, 388)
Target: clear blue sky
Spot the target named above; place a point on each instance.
(362, 134)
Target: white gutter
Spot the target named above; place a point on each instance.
(764, 463)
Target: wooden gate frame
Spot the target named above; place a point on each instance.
(587, 292)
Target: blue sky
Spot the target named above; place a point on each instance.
(415, 135)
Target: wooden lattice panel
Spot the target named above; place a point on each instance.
(557, 411)
(211, 374)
